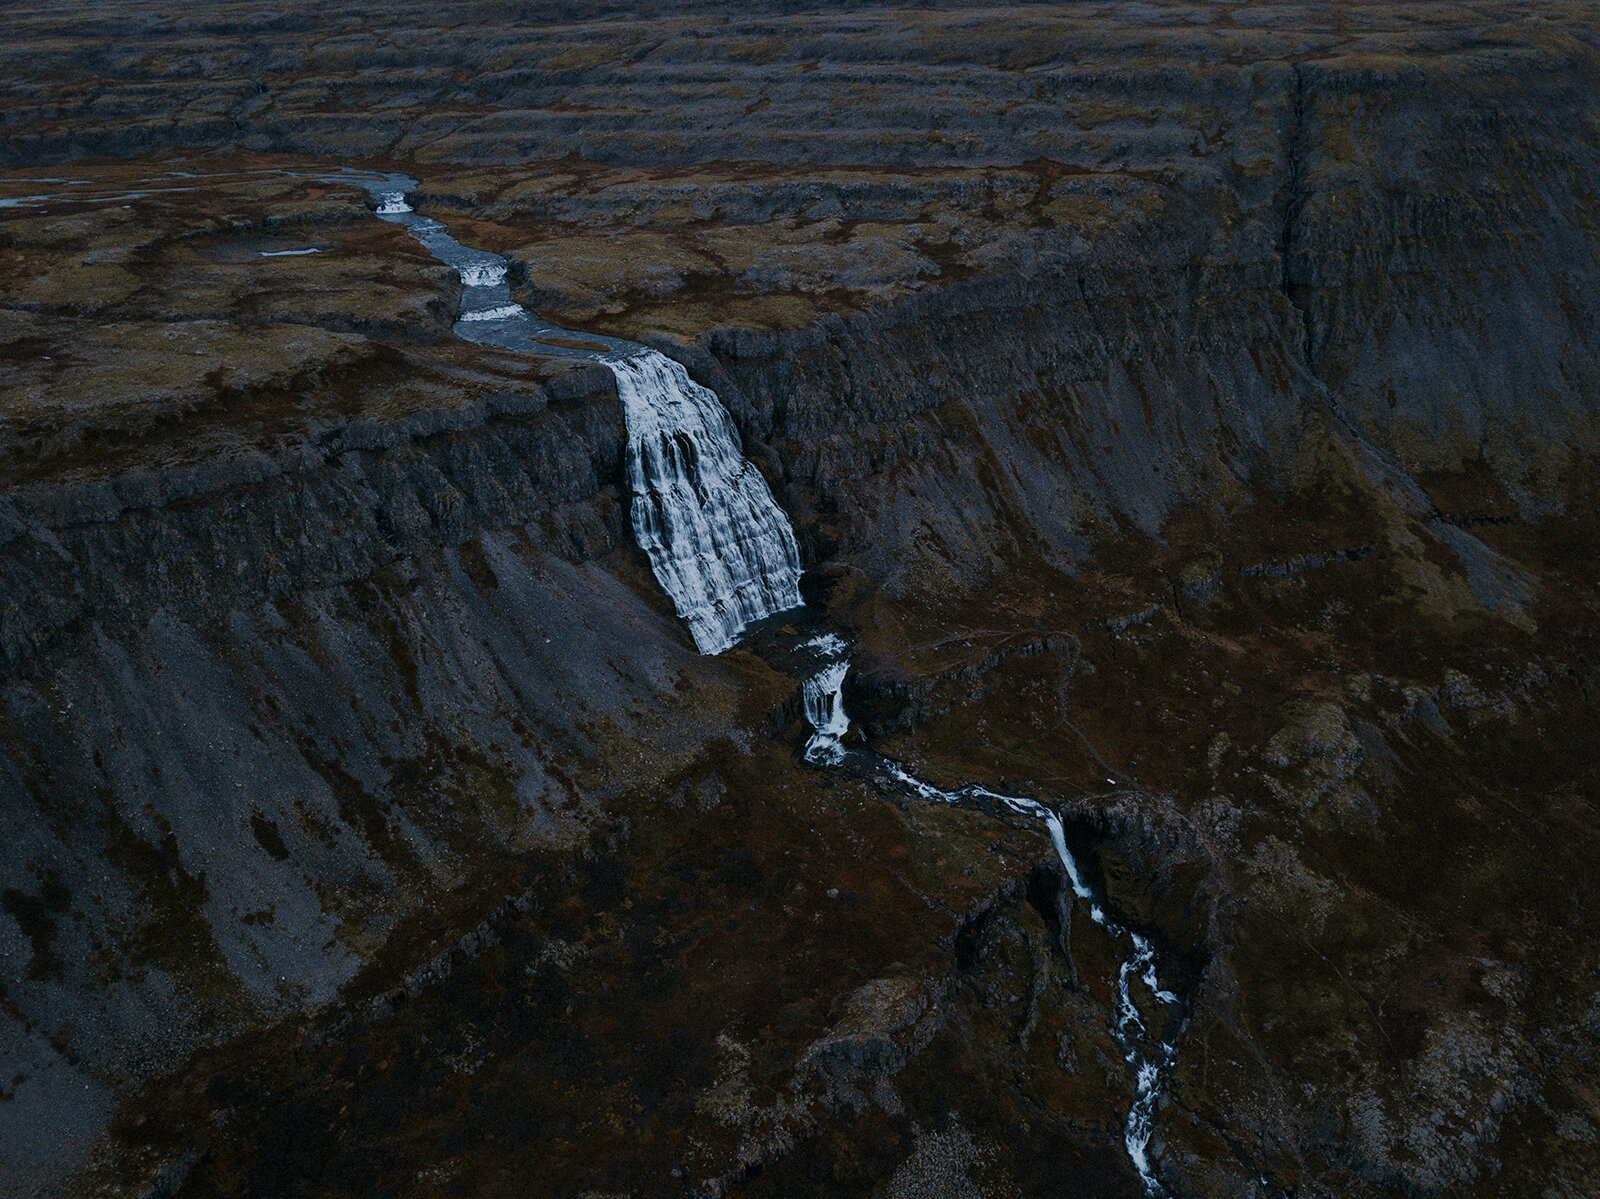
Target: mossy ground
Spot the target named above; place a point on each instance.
(751, 896)
(639, 252)
(149, 331)
(652, 1009)
(1396, 811)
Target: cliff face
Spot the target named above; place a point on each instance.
(1191, 417)
(1440, 235)
(290, 656)
(1028, 415)
(253, 724)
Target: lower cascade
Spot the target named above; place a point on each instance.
(823, 693)
(1151, 1054)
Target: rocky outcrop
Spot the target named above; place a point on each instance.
(335, 510)
(1150, 364)
(1027, 414)
(1441, 236)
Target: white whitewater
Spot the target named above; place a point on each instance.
(823, 693)
(483, 274)
(717, 541)
(1150, 1054)
(503, 312)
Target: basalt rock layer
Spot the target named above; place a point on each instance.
(1190, 413)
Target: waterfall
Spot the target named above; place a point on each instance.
(824, 699)
(718, 543)
(823, 693)
(724, 551)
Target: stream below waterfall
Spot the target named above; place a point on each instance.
(725, 553)
(1150, 1053)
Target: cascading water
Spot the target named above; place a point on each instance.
(823, 693)
(488, 313)
(717, 541)
(724, 551)
(1151, 1054)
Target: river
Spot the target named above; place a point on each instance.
(725, 552)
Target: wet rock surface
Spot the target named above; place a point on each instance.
(1189, 411)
